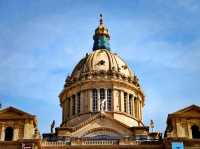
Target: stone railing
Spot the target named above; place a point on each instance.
(100, 142)
(88, 141)
(79, 141)
(54, 143)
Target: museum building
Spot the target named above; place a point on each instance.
(102, 107)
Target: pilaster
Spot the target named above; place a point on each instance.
(26, 129)
(2, 133)
(16, 133)
(90, 102)
(122, 100)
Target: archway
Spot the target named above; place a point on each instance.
(9, 134)
(195, 132)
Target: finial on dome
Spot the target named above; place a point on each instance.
(101, 19)
(101, 36)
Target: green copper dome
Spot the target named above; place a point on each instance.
(101, 37)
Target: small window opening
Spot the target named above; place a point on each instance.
(9, 134)
(195, 132)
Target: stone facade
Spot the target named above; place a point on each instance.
(102, 107)
(17, 128)
(183, 126)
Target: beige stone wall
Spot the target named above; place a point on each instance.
(119, 88)
(22, 129)
(17, 126)
(182, 127)
(128, 121)
(29, 129)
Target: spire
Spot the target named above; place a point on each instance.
(101, 19)
(101, 37)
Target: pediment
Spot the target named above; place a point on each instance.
(13, 113)
(191, 111)
(103, 125)
(98, 124)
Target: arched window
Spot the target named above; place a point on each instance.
(94, 100)
(9, 134)
(109, 99)
(195, 132)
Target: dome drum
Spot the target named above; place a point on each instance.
(102, 82)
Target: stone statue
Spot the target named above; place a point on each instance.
(102, 104)
(151, 124)
(52, 126)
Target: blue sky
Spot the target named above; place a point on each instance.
(42, 40)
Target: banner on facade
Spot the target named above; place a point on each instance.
(27, 145)
(177, 145)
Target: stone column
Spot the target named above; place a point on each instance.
(98, 99)
(127, 103)
(118, 100)
(115, 100)
(2, 133)
(90, 101)
(189, 130)
(106, 99)
(122, 101)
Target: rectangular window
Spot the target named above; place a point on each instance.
(102, 97)
(131, 104)
(78, 103)
(69, 107)
(125, 102)
(94, 100)
(73, 105)
(102, 94)
(136, 107)
(109, 99)
(119, 100)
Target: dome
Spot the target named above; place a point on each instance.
(101, 61)
(102, 82)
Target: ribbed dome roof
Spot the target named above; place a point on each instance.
(101, 60)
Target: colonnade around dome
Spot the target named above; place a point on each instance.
(101, 100)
